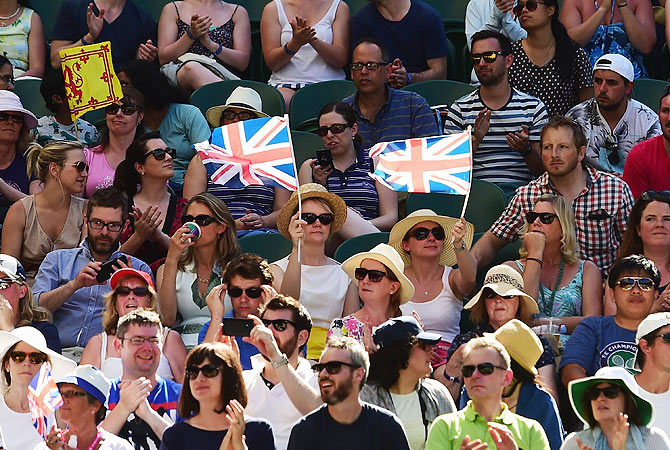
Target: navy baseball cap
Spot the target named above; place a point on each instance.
(400, 328)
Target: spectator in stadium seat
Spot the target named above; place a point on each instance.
(22, 39)
(413, 35)
(613, 122)
(7, 80)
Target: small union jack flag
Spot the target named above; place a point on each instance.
(432, 164)
(256, 151)
(43, 399)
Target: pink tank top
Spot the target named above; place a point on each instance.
(100, 174)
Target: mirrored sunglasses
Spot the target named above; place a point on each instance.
(489, 57)
(644, 283)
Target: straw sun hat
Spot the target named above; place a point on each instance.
(504, 280)
(448, 255)
(521, 343)
(307, 191)
(241, 98)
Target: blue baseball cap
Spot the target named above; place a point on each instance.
(90, 380)
(400, 328)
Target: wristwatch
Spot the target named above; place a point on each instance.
(282, 362)
(461, 248)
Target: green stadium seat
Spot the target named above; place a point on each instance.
(308, 101)
(270, 246)
(358, 244)
(440, 92)
(28, 91)
(48, 11)
(253, 7)
(216, 94)
(153, 7)
(649, 91)
(305, 146)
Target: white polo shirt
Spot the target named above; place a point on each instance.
(661, 402)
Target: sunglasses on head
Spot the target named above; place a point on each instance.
(80, 166)
(208, 370)
(373, 275)
(609, 391)
(252, 292)
(128, 109)
(72, 394)
(530, 5)
(278, 324)
(332, 367)
(644, 283)
(486, 368)
(488, 57)
(422, 233)
(335, 128)
(159, 153)
(664, 336)
(491, 294)
(34, 357)
(138, 291)
(325, 218)
(201, 219)
(653, 195)
(16, 118)
(545, 217)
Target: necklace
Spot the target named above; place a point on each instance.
(420, 286)
(3, 19)
(203, 280)
(549, 307)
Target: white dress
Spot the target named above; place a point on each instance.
(19, 431)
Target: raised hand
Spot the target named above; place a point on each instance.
(146, 222)
(320, 173)
(534, 242)
(620, 432)
(6, 314)
(295, 229)
(519, 140)
(302, 33)
(86, 277)
(399, 77)
(94, 22)
(458, 233)
(502, 436)
(482, 123)
(200, 25)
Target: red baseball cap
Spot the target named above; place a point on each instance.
(127, 272)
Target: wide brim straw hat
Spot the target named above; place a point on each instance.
(386, 255)
(521, 343)
(504, 280)
(307, 191)
(60, 365)
(241, 98)
(448, 255)
(613, 375)
(9, 101)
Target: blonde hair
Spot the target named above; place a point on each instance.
(29, 311)
(39, 158)
(110, 316)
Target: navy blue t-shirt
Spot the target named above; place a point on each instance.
(133, 27)
(416, 38)
(258, 434)
(15, 176)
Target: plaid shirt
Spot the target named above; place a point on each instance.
(601, 211)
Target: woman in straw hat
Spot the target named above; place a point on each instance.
(429, 245)
(615, 415)
(23, 351)
(317, 281)
(501, 299)
(382, 287)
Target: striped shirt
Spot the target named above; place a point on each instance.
(494, 160)
(258, 199)
(355, 186)
(404, 115)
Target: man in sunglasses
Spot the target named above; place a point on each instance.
(66, 282)
(486, 418)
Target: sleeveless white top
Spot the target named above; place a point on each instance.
(113, 368)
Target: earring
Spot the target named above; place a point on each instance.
(142, 173)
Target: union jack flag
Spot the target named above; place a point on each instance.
(432, 164)
(43, 399)
(256, 151)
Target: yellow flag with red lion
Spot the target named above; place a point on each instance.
(90, 80)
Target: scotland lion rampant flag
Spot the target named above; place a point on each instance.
(43, 398)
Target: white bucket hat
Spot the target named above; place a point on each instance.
(9, 101)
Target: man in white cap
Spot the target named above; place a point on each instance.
(613, 122)
(653, 359)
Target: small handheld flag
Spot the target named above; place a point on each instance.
(43, 399)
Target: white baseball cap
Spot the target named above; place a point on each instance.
(650, 324)
(616, 63)
(90, 380)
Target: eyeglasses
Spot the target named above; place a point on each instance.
(252, 292)
(530, 5)
(370, 65)
(373, 275)
(653, 195)
(610, 392)
(139, 340)
(34, 357)
(127, 109)
(5, 283)
(81, 166)
(19, 119)
(208, 371)
(332, 367)
(278, 324)
(664, 336)
(486, 368)
(422, 233)
(9, 79)
(99, 225)
(545, 217)
(201, 219)
(489, 57)
(242, 115)
(612, 146)
(491, 294)
(335, 128)
(644, 283)
(325, 218)
(125, 290)
(72, 394)
(159, 153)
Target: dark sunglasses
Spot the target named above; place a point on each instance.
(4, 117)
(612, 146)
(335, 128)
(489, 57)
(242, 115)
(35, 357)
(208, 370)
(159, 153)
(530, 5)
(128, 109)
(125, 290)
(486, 368)
(72, 394)
(545, 217)
(370, 65)
(422, 233)
(252, 292)
(664, 336)
(325, 218)
(278, 324)
(644, 283)
(490, 294)
(79, 165)
(610, 392)
(332, 367)
(201, 219)
(374, 275)
(653, 195)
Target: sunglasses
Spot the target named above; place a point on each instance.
(278, 324)
(35, 357)
(373, 275)
(127, 109)
(644, 283)
(335, 128)
(125, 290)
(422, 233)
(610, 392)
(72, 394)
(325, 218)
(530, 5)
(159, 153)
(370, 65)
(5, 283)
(664, 336)
(653, 195)
(489, 57)
(19, 119)
(332, 367)
(208, 370)
(242, 115)
(612, 146)
(201, 219)
(79, 165)
(491, 294)
(545, 217)
(486, 368)
(252, 292)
